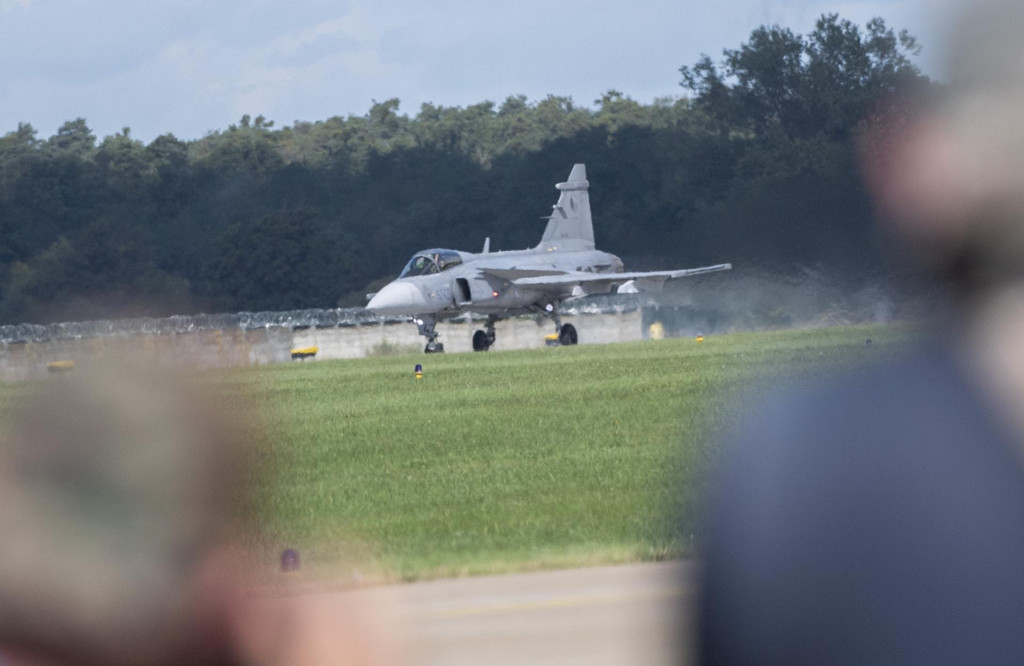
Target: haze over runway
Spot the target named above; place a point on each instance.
(189, 68)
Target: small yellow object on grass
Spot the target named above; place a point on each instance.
(305, 352)
(700, 338)
(60, 366)
(552, 340)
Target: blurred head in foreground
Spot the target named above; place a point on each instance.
(948, 177)
(120, 499)
(115, 499)
(877, 518)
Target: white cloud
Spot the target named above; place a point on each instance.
(364, 23)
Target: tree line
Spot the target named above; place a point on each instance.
(754, 164)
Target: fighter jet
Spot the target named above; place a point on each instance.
(438, 284)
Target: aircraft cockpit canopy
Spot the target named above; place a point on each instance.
(431, 261)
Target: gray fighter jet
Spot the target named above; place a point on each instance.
(438, 284)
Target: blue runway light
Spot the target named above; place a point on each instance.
(289, 561)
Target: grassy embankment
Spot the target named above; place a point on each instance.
(510, 460)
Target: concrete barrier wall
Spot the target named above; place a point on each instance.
(200, 349)
(518, 333)
(258, 346)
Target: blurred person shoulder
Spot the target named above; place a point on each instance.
(848, 518)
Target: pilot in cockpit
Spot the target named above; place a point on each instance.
(430, 262)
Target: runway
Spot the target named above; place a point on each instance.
(629, 614)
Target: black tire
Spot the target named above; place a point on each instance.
(436, 348)
(567, 336)
(480, 341)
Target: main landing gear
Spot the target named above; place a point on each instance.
(427, 329)
(483, 339)
(566, 333)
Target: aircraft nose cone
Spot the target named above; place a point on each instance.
(398, 298)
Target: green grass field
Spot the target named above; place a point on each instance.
(510, 460)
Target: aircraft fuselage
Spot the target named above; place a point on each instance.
(478, 284)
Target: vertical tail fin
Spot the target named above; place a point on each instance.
(570, 226)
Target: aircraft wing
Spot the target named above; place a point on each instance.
(513, 274)
(650, 279)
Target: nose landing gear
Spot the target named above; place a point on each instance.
(426, 326)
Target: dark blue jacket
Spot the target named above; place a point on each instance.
(879, 520)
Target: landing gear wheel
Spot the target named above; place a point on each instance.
(567, 335)
(481, 341)
(433, 348)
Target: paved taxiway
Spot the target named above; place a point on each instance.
(629, 614)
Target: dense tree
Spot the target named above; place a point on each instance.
(285, 260)
(819, 85)
(790, 107)
(108, 269)
(756, 165)
(73, 138)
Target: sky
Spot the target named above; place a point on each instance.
(191, 67)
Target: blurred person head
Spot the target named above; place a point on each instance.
(948, 178)
(116, 495)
